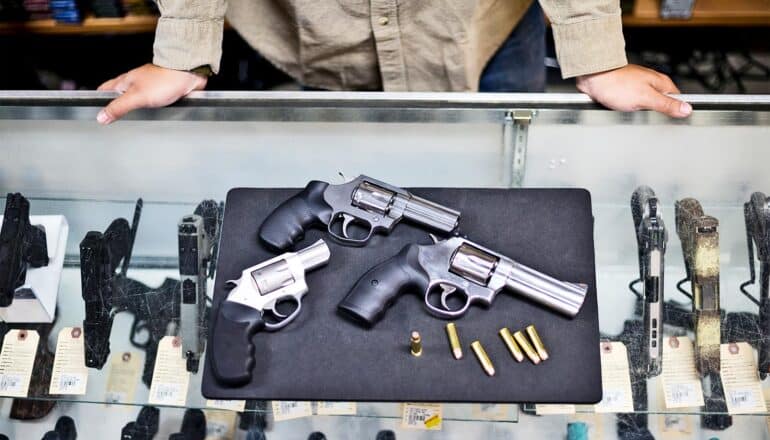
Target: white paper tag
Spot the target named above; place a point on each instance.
(616, 380)
(170, 377)
(425, 416)
(287, 410)
(123, 378)
(229, 405)
(681, 383)
(740, 379)
(220, 425)
(336, 408)
(70, 375)
(17, 361)
(552, 409)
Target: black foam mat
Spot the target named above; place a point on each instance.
(323, 355)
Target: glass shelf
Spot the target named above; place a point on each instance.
(175, 157)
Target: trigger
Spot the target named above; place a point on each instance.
(346, 220)
(446, 291)
(232, 283)
(275, 312)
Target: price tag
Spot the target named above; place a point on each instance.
(681, 383)
(220, 425)
(70, 375)
(616, 380)
(17, 361)
(425, 416)
(552, 409)
(170, 377)
(491, 411)
(287, 410)
(229, 405)
(123, 378)
(743, 390)
(336, 408)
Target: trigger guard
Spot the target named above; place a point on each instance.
(343, 239)
(445, 312)
(273, 326)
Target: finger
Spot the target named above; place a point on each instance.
(119, 106)
(659, 102)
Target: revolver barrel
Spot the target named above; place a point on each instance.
(480, 267)
(315, 255)
(431, 214)
(562, 296)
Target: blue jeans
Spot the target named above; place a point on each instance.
(519, 64)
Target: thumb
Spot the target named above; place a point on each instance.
(127, 102)
(667, 105)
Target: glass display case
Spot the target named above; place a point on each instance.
(55, 153)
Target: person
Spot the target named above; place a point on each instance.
(399, 45)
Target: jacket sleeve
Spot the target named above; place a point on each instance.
(189, 34)
(588, 35)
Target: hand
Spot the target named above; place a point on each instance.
(632, 88)
(147, 86)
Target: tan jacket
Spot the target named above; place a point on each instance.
(394, 45)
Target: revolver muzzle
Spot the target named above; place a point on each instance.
(431, 214)
(561, 296)
(315, 255)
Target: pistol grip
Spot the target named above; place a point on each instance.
(37, 250)
(764, 337)
(232, 351)
(380, 286)
(287, 224)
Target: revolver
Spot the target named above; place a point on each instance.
(198, 237)
(700, 246)
(22, 245)
(368, 203)
(260, 289)
(757, 215)
(461, 270)
(651, 238)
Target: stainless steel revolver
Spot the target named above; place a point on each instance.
(455, 268)
(252, 306)
(368, 203)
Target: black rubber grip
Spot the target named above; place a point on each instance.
(232, 351)
(381, 285)
(287, 224)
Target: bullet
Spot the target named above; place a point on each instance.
(513, 347)
(415, 344)
(481, 355)
(454, 340)
(537, 342)
(527, 347)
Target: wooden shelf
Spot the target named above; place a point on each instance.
(706, 13)
(89, 26)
